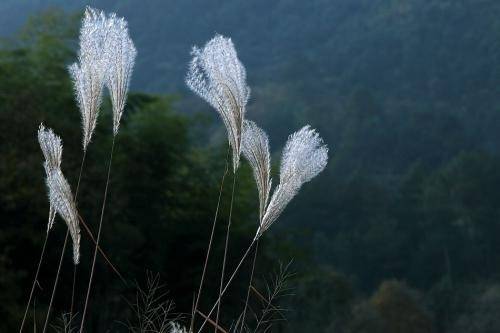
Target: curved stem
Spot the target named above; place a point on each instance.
(250, 285)
(35, 281)
(225, 253)
(98, 235)
(195, 308)
(228, 282)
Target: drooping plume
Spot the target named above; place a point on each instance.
(90, 73)
(122, 53)
(304, 157)
(255, 148)
(217, 75)
(60, 197)
(51, 147)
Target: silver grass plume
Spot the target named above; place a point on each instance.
(217, 75)
(255, 148)
(90, 72)
(304, 157)
(61, 199)
(51, 147)
(121, 53)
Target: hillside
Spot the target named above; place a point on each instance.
(406, 95)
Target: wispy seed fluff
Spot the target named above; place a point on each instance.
(303, 158)
(60, 197)
(255, 148)
(122, 53)
(90, 73)
(217, 75)
(51, 147)
(176, 328)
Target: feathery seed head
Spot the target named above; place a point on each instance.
(51, 146)
(305, 155)
(216, 74)
(59, 192)
(62, 202)
(90, 72)
(122, 53)
(176, 328)
(255, 148)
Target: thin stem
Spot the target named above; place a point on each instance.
(98, 235)
(250, 284)
(56, 281)
(34, 315)
(229, 282)
(195, 308)
(35, 281)
(75, 266)
(225, 252)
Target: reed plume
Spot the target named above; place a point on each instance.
(59, 192)
(122, 53)
(90, 73)
(61, 199)
(51, 147)
(255, 148)
(305, 155)
(217, 75)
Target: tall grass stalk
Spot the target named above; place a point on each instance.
(216, 74)
(249, 285)
(80, 173)
(35, 281)
(55, 282)
(110, 161)
(110, 60)
(195, 307)
(226, 245)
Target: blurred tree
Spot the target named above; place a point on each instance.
(394, 308)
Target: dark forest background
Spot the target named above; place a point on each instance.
(399, 233)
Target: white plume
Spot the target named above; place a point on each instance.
(217, 75)
(121, 52)
(90, 73)
(60, 197)
(255, 148)
(304, 157)
(51, 147)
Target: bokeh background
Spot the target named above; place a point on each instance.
(400, 232)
